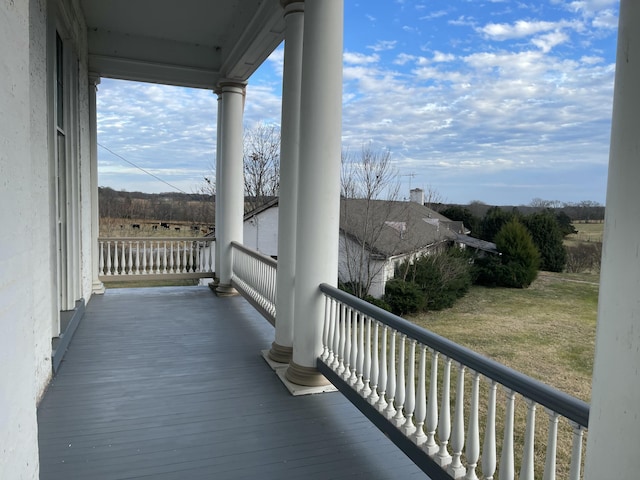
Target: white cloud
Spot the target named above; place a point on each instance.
(354, 58)
(547, 41)
(443, 57)
(519, 29)
(383, 45)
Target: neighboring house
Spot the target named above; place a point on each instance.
(375, 237)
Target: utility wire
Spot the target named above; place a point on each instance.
(140, 168)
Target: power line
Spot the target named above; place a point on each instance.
(140, 168)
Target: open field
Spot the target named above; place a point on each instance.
(546, 331)
(119, 227)
(587, 232)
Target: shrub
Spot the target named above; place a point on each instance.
(517, 265)
(584, 257)
(403, 297)
(442, 278)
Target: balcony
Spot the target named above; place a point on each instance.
(169, 383)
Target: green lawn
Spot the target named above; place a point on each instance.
(546, 331)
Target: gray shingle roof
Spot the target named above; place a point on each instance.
(391, 228)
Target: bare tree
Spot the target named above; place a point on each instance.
(367, 179)
(261, 164)
(433, 198)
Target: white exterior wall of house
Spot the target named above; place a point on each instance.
(261, 232)
(29, 305)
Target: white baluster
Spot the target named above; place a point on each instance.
(373, 397)
(325, 331)
(347, 345)
(130, 259)
(399, 419)
(390, 411)
(507, 467)
(171, 269)
(456, 469)
(335, 342)
(158, 264)
(185, 265)
(489, 446)
(443, 458)
(419, 436)
(472, 451)
(343, 315)
(353, 379)
(123, 263)
(101, 259)
(410, 396)
(366, 369)
(430, 446)
(178, 257)
(116, 259)
(164, 258)
(552, 443)
(527, 466)
(144, 257)
(109, 258)
(137, 258)
(576, 452)
(382, 372)
(360, 358)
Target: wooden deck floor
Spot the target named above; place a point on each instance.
(168, 383)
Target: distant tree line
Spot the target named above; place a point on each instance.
(167, 207)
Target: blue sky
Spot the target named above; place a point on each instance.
(499, 101)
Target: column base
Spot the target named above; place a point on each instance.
(97, 288)
(225, 290)
(280, 354)
(307, 376)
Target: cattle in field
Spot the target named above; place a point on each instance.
(154, 227)
(135, 226)
(165, 225)
(177, 229)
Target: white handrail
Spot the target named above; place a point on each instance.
(415, 396)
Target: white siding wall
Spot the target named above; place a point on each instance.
(261, 232)
(28, 296)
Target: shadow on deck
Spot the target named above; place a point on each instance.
(169, 383)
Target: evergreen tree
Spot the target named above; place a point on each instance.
(464, 215)
(493, 221)
(517, 265)
(547, 237)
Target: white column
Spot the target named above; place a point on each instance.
(216, 274)
(231, 195)
(614, 423)
(98, 286)
(282, 347)
(318, 182)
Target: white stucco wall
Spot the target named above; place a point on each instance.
(18, 269)
(261, 232)
(28, 290)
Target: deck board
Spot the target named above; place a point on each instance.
(168, 383)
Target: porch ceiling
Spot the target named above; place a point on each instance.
(193, 43)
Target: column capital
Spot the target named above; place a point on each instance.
(94, 79)
(292, 6)
(232, 86)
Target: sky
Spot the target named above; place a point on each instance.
(497, 101)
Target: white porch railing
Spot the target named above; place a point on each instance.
(254, 276)
(129, 258)
(400, 376)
